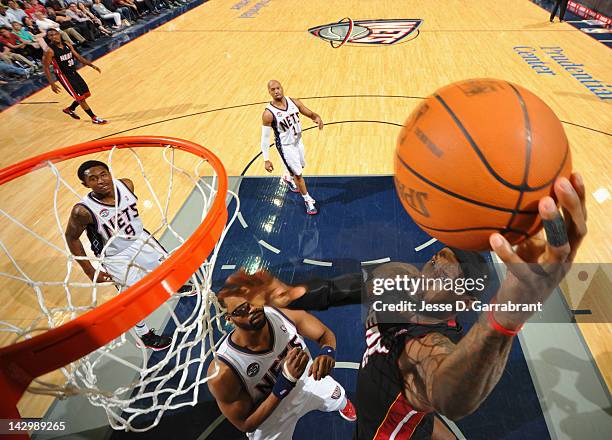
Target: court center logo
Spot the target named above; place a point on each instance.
(381, 32)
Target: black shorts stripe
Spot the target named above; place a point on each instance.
(74, 84)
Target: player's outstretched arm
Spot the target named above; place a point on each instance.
(266, 130)
(79, 219)
(46, 63)
(262, 288)
(236, 404)
(310, 327)
(455, 379)
(309, 113)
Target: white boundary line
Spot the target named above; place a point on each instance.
(269, 246)
(242, 221)
(228, 267)
(424, 245)
(380, 260)
(347, 365)
(317, 262)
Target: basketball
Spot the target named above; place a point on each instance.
(475, 157)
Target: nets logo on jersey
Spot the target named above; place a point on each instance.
(382, 32)
(253, 369)
(337, 393)
(104, 213)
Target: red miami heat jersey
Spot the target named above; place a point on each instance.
(383, 412)
(63, 58)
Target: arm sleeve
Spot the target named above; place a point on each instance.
(265, 141)
(323, 294)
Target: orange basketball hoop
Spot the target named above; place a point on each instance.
(24, 361)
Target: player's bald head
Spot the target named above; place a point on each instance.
(275, 90)
(272, 83)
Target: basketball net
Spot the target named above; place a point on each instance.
(168, 380)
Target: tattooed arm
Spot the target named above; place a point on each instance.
(454, 379)
(450, 379)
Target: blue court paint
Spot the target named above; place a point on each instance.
(360, 220)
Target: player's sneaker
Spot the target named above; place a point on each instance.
(292, 186)
(310, 208)
(97, 120)
(71, 113)
(348, 413)
(155, 342)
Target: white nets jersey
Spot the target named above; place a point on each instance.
(286, 124)
(258, 370)
(122, 221)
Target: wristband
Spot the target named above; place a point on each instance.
(326, 350)
(283, 386)
(500, 328)
(287, 374)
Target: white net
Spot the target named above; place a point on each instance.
(47, 287)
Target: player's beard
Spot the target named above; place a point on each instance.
(257, 320)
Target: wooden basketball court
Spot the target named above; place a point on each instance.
(203, 76)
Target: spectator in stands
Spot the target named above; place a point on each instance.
(66, 23)
(43, 23)
(35, 6)
(84, 9)
(59, 6)
(128, 4)
(9, 57)
(78, 16)
(14, 12)
(563, 5)
(169, 4)
(17, 45)
(126, 13)
(150, 5)
(9, 69)
(106, 14)
(4, 20)
(25, 35)
(39, 36)
(28, 23)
